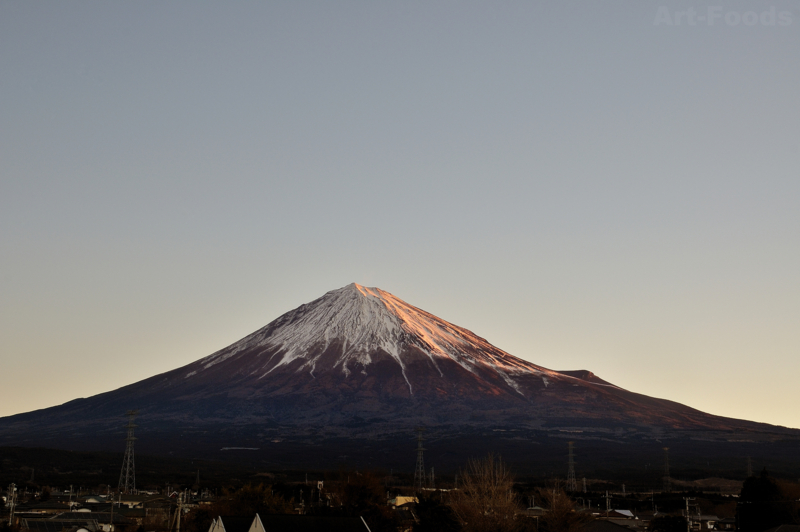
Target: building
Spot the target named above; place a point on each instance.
(288, 523)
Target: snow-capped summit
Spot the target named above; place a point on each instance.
(351, 328)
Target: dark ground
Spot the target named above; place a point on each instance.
(533, 457)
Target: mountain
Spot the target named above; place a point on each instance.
(359, 364)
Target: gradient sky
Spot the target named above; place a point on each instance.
(584, 187)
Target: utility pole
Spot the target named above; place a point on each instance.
(749, 467)
(180, 511)
(12, 502)
(667, 480)
(111, 519)
(182, 497)
(688, 519)
(584, 484)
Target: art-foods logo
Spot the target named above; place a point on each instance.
(719, 16)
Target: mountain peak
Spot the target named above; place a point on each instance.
(356, 326)
(363, 290)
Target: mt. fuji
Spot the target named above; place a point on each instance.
(360, 364)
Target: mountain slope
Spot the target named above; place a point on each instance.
(359, 362)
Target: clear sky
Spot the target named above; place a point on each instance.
(609, 185)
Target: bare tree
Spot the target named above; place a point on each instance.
(561, 515)
(486, 500)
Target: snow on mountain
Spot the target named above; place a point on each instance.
(363, 322)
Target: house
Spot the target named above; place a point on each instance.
(288, 523)
(103, 520)
(707, 522)
(646, 516)
(629, 524)
(59, 525)
(729, 523)
(310, 523)
(623, 518)
(46, 507)
(235, 524)
(402, 501)
(534, 511)
(602, 525)
(135, 501)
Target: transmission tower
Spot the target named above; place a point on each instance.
(419, 473)
(571, 485)
(127, 477)
(667, 480)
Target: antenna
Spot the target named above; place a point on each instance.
(127, 477)
(419, 473)
(571, 486)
